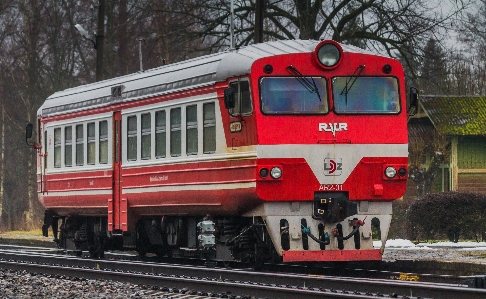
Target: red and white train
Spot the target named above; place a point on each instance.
(281, 151)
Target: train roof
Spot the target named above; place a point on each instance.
(197, 72)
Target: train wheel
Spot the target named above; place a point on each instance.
(97, 249)
(142, 243)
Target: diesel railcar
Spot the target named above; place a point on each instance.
(286, 151)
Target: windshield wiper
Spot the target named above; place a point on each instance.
(351, 80)
(308, 84)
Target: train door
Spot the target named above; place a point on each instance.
(117, 205)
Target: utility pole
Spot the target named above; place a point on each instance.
(259, 5)
(100, 35)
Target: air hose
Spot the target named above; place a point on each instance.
(355, 230)
(327, 240)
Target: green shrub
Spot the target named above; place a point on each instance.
(447, 215)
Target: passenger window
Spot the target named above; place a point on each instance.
(209, 130)
(68, 146)
(146, 136)
(160, 134)
(132, 138)
(91, 144)
(175, 132)
(79, 145)
(191, 127)
(242, 98)
(103, 142)
(57, 147)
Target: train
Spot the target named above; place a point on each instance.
(283, 151)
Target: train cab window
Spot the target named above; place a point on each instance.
(191, 130)
(175, 132)
(79, 145)
(160, 134)
(68, 146)
(57, 147)
(91, 150)
(209, 129)
(103, 142)
(242, 98)
(366, 95)
(293, 95)
(146, 136)
(132, 138)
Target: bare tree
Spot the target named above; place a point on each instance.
(395, 27)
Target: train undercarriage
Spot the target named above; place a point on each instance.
(226, 239)
(286, 228)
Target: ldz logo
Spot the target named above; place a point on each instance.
(333, 127)
(333, 166)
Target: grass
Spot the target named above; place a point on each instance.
(33, 232)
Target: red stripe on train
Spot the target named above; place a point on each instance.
(332, 255)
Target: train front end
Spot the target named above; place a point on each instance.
(332, 151)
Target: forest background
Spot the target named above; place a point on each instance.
(441, 43)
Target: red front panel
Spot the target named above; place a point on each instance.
(360, 146)
(299, 182)
(304, 129)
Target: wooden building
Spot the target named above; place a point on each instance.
(457, 124)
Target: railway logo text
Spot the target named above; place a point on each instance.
(333, 166)
(333, 127)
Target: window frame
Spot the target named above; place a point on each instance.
(80, 145)
(130, 135)
(324, 97)
(238, 98)
(176, 128)
(192, 125)
(68, 142)
(160, 130)
(57, 147)
(398, 95)
(102, 140)
(209, 123)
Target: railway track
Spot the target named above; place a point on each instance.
(221, 282)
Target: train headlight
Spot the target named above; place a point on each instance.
(390, 172)
(328, 53)
(263, 172)
(276, 172)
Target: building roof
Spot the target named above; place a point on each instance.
(456, 115)
(197, 72)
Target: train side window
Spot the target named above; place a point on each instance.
(68, 146)
(57, 147)
(103, 142)
(160, 134)
(175, 132)
(146, 136)
(79, 145)
(132, 138)
(91, 150)
(191, 127)
(242, 98)
(209, 129)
